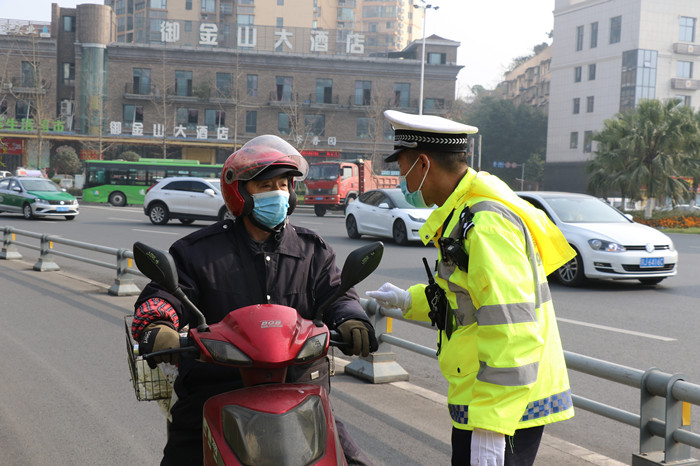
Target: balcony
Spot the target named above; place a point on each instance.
(143, 93)
(27, 86)
(687, 84)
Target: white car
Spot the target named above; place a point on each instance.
(186, 199)
(385, 212)
(607, 242)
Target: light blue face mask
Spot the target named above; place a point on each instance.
(270, 208)
(416, 197)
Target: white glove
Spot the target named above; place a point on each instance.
(488, 448)
(391, 296)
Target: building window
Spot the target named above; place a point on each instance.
(245, 20)
(132, 114)
(188, 117)
(69, 23)
(246, 2)
(363, 92)
(188, 4)
(188, 26)
(684, 69)
(579, 38)
(208, 6)
(594, 35)
(68, 74)
(615, 29)
(591, 72)
(577, 74)
(577, 105)
(224, 85)
(251, 121)
(283, 88)
(435, 58)
(324, 91)
(589, 104)
(28, 73)
(159, 4)
(279, 22)
(141, 80)
(280, 2)
(402, 94)
(214, 118)
(588, 141)
(315, 125)
(284, 126)
(251, 85)
(687, 29)
(433, 104)
(684, 99)
(573, 140)
(364, 127)
(638, 77)
(24, 109)
(183, 83)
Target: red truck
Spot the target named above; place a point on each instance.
(333, 185)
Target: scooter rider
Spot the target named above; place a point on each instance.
(257, 258)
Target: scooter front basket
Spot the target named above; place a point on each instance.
(149, 384)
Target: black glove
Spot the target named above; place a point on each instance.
(356, 335)
(158, 336)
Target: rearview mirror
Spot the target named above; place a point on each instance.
(358, 265)
(157, 265)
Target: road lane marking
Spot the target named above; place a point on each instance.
(618, 330)
(125, 209)
(156, 231)
(120, 219)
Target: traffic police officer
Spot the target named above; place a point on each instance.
(499, 346)
(255, 259)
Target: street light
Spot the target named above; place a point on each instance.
(424, 6)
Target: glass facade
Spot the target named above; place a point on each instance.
(638, 80)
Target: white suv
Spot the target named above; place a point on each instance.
(185, 198)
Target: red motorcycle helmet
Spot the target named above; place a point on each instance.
(261, 158)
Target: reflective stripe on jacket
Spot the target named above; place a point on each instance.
(504, 360)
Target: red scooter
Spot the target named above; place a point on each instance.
(268, 422)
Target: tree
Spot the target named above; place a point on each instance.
(646, 151)
(509, 133)
(66, 161)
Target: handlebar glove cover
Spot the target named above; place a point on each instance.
(159, 336)
(356, 334)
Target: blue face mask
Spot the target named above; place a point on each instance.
(270, 208)
(416, 197)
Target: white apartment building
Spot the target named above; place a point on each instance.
(607, 55)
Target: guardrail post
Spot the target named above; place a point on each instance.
(123, 286)
(46, 262)
(676, 452)
(657, 450)
(9, 251)
(380, 366)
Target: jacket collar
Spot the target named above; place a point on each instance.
(286, 241)
(432, 228)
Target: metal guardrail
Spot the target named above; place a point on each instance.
(663, 422)
(664, 416)
(123, 283)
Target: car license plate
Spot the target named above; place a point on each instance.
(649, 262)
(61, 209)
(319, 198)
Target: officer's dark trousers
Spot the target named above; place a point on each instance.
(521, 448)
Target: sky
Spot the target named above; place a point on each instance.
(491, 32)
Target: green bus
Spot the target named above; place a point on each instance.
(120, 182)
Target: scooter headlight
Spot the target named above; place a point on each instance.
(294, 438)
(313, 348)
(225, 353)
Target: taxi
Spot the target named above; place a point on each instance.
(36, 197)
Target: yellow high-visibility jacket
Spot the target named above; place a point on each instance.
(504, 361)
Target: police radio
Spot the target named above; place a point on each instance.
(437, 300)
